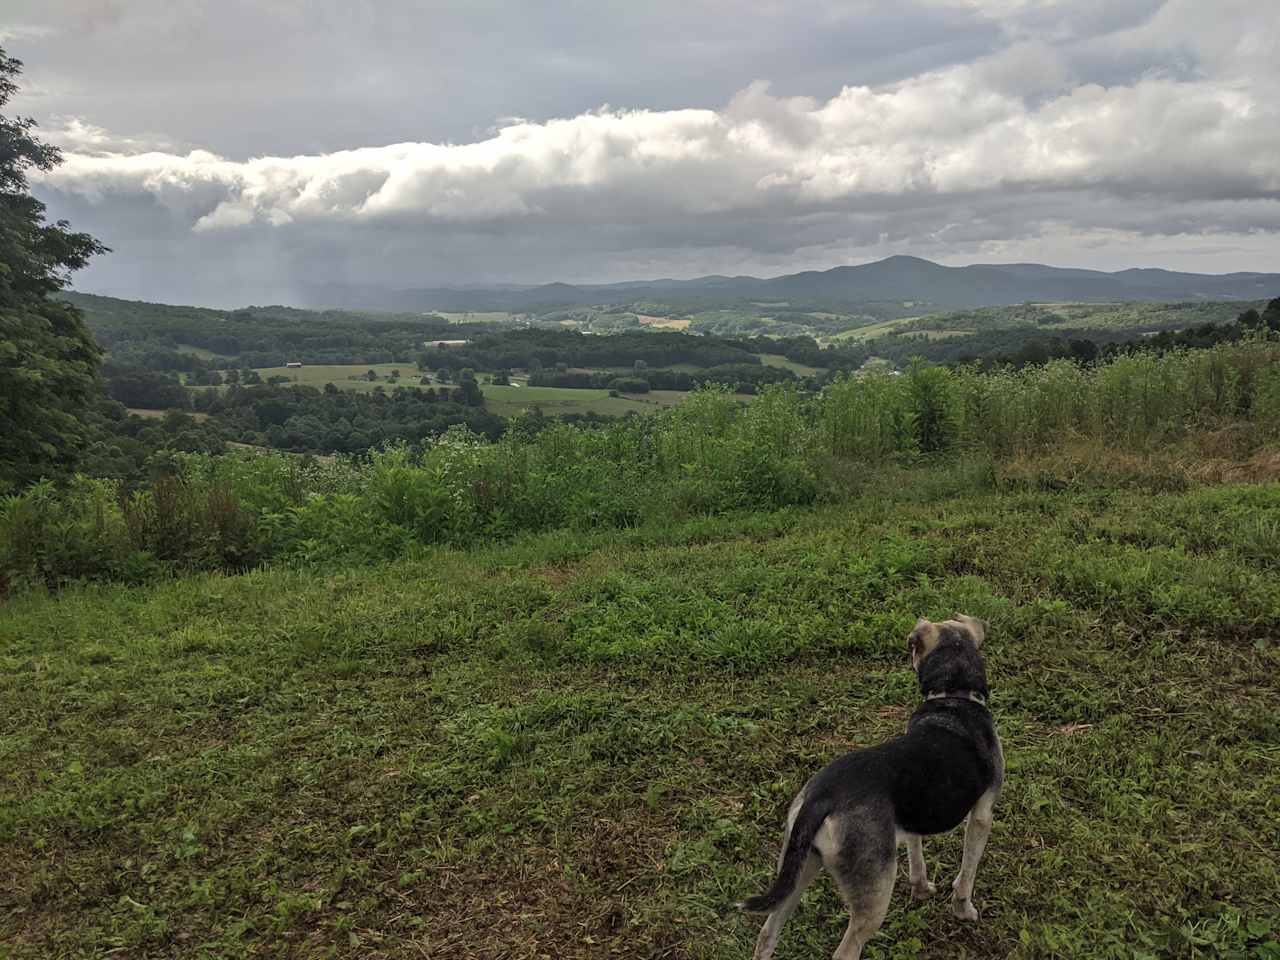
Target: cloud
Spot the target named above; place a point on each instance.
(1136, 125)
(954, 132)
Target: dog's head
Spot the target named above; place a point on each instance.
(926, 635)
(945, 654)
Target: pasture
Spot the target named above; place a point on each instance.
(346, 376)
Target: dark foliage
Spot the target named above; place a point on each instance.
(48, 361)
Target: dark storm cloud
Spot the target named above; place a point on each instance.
(248, 154)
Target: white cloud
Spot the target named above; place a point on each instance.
(953, 132)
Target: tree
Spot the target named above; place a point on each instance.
(48, 360)
(471, 394)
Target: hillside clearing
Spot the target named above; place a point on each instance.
(582, 745)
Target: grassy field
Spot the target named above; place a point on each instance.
(317, 375)
(872, 330)
(583, 745)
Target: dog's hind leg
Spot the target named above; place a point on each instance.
(976, 830)
(919, 873)
(860, 850)
(768, 939)
(867, 899)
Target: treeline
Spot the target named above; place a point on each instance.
(535, 350)
(162, 337)
(306, 420)
(131, 448)
(1083, 348)
(1025, 342)
(743, 378)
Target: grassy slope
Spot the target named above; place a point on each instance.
(582, 746)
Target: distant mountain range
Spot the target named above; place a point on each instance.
(898, 278)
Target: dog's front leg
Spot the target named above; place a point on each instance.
(976, 830)
(919, 873)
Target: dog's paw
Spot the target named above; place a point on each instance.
(964, 910)
(923, 891)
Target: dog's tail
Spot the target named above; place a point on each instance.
(799, 845)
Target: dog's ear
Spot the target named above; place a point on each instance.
(977, 628)
(921, 641)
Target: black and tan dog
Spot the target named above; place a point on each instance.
(852, 816)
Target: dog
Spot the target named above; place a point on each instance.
(854, 814)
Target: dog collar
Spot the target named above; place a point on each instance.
(957, 695)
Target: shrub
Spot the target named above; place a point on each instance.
(50, 535)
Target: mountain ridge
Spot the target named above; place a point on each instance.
(895, 278)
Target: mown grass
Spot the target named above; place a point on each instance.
(583, 745)
(346, 376)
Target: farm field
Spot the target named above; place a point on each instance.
(317, 375)
(664, 323)
(583, 745)
(872, 330)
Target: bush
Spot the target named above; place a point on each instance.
(629, 385)
(50, 535)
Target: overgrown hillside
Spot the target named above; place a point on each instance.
(583, 745)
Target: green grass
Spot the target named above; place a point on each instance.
(340, 374)
(583, 745)
(872, 330)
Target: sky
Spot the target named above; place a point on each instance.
(251, 151)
